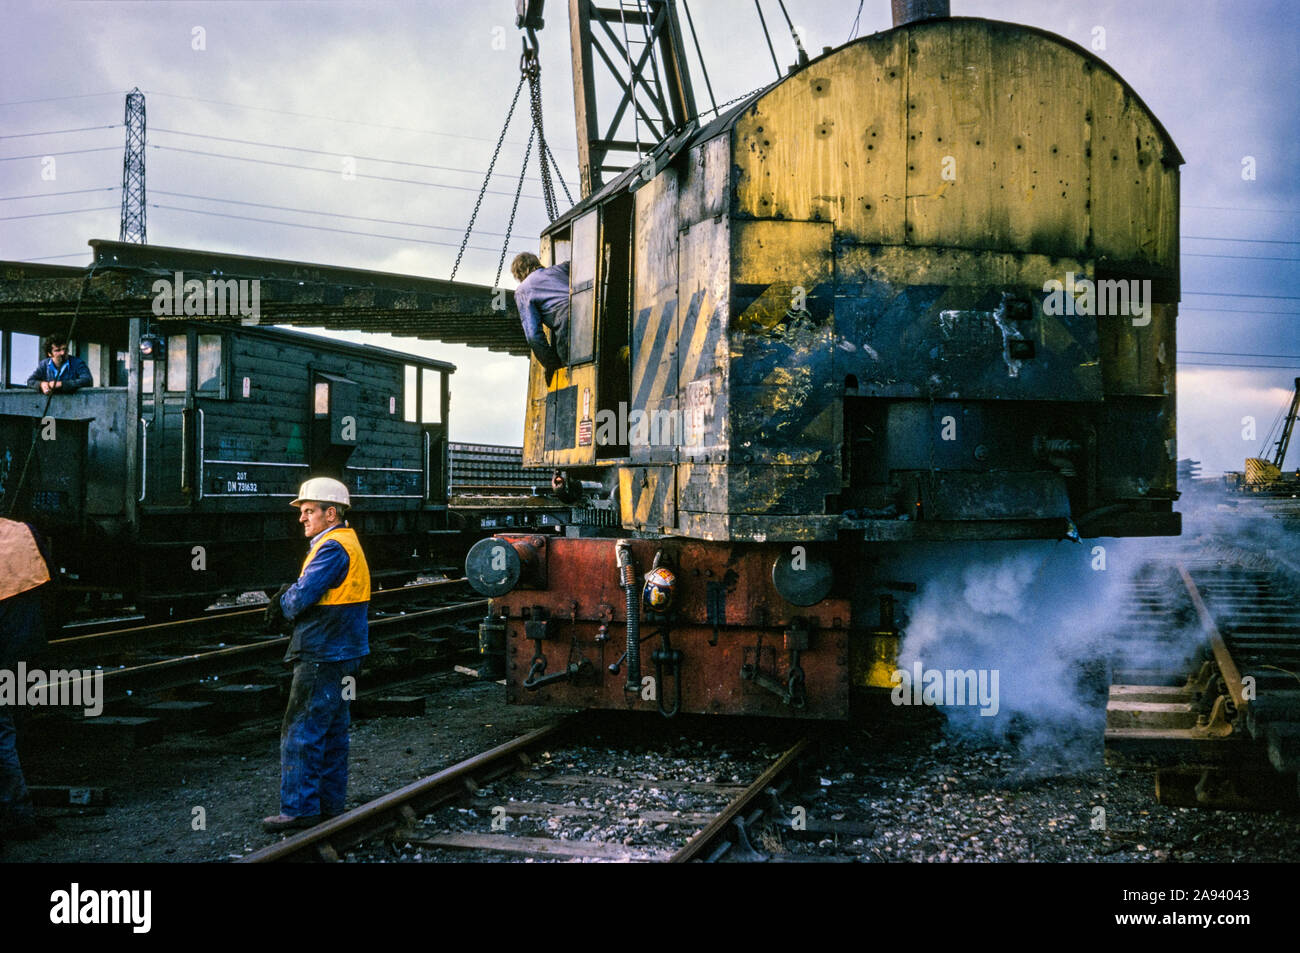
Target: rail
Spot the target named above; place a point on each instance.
(403, 806)
(1222, 657)
(397, 814)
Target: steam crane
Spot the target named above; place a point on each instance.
(1263, 475)
(802, 348)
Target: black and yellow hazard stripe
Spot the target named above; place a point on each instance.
(654, 337)
(701, 329)
(647, 497)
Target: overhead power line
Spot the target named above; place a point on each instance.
(68, 152)
(326, 152)
(312, 211)
(1240, 354)
(1235, 208)
(1183, 311)
(70, 211)
(335, 172)
(352, 122)
(1188, 254)
(318, 228)
(41, 195)
(1226, 294)
(1242, 367)
(59, 132)
(1261, 241)
(55, 99)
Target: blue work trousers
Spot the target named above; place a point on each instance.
(15, 800)
(22, 636)
(314, 740)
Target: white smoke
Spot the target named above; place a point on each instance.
(1044, 616)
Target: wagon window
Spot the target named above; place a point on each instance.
(178, 362)
(430, 397)
(147, 379)
(209, 362)
(582, 290)
(120, 369)
(93, 354)
(410, 406)
(562, 249)
(24, 355)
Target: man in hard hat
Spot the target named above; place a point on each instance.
(24, 586)
(542, 298)
(327, 607)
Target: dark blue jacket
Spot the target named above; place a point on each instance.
(325, 633)
(74, 374)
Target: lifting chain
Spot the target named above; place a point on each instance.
(532, 69)
(487, 178)
(510, 226)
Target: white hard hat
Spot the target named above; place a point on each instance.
(323, 490)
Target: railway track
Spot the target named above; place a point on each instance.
(1221, 724)
(548, 795)
(151, 660)
(92, 641)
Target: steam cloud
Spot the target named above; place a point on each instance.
(1042, 616)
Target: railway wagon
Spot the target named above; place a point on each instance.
(169, 479)
(921, 289)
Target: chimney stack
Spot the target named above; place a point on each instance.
(909, 11)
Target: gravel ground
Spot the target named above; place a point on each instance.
(640, 786)
(936, 796)
(904, 786)
(924, 790)
(234, 777)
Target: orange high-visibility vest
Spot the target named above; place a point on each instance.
(355, 587)
(21, 564)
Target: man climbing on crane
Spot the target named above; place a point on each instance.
(542, 298)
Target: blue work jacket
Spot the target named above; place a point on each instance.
(74, 374)
(326, 633)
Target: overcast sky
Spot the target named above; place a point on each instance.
(427, 84)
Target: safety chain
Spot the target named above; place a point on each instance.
(487, 178)
(717, 110)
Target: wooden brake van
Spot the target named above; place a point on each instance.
(170, 479)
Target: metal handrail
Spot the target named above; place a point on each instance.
(144, 459)
(202, 440)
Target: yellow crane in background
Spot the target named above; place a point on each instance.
(1266, 475)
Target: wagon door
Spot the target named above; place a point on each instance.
(188, 368)
(166, 408)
